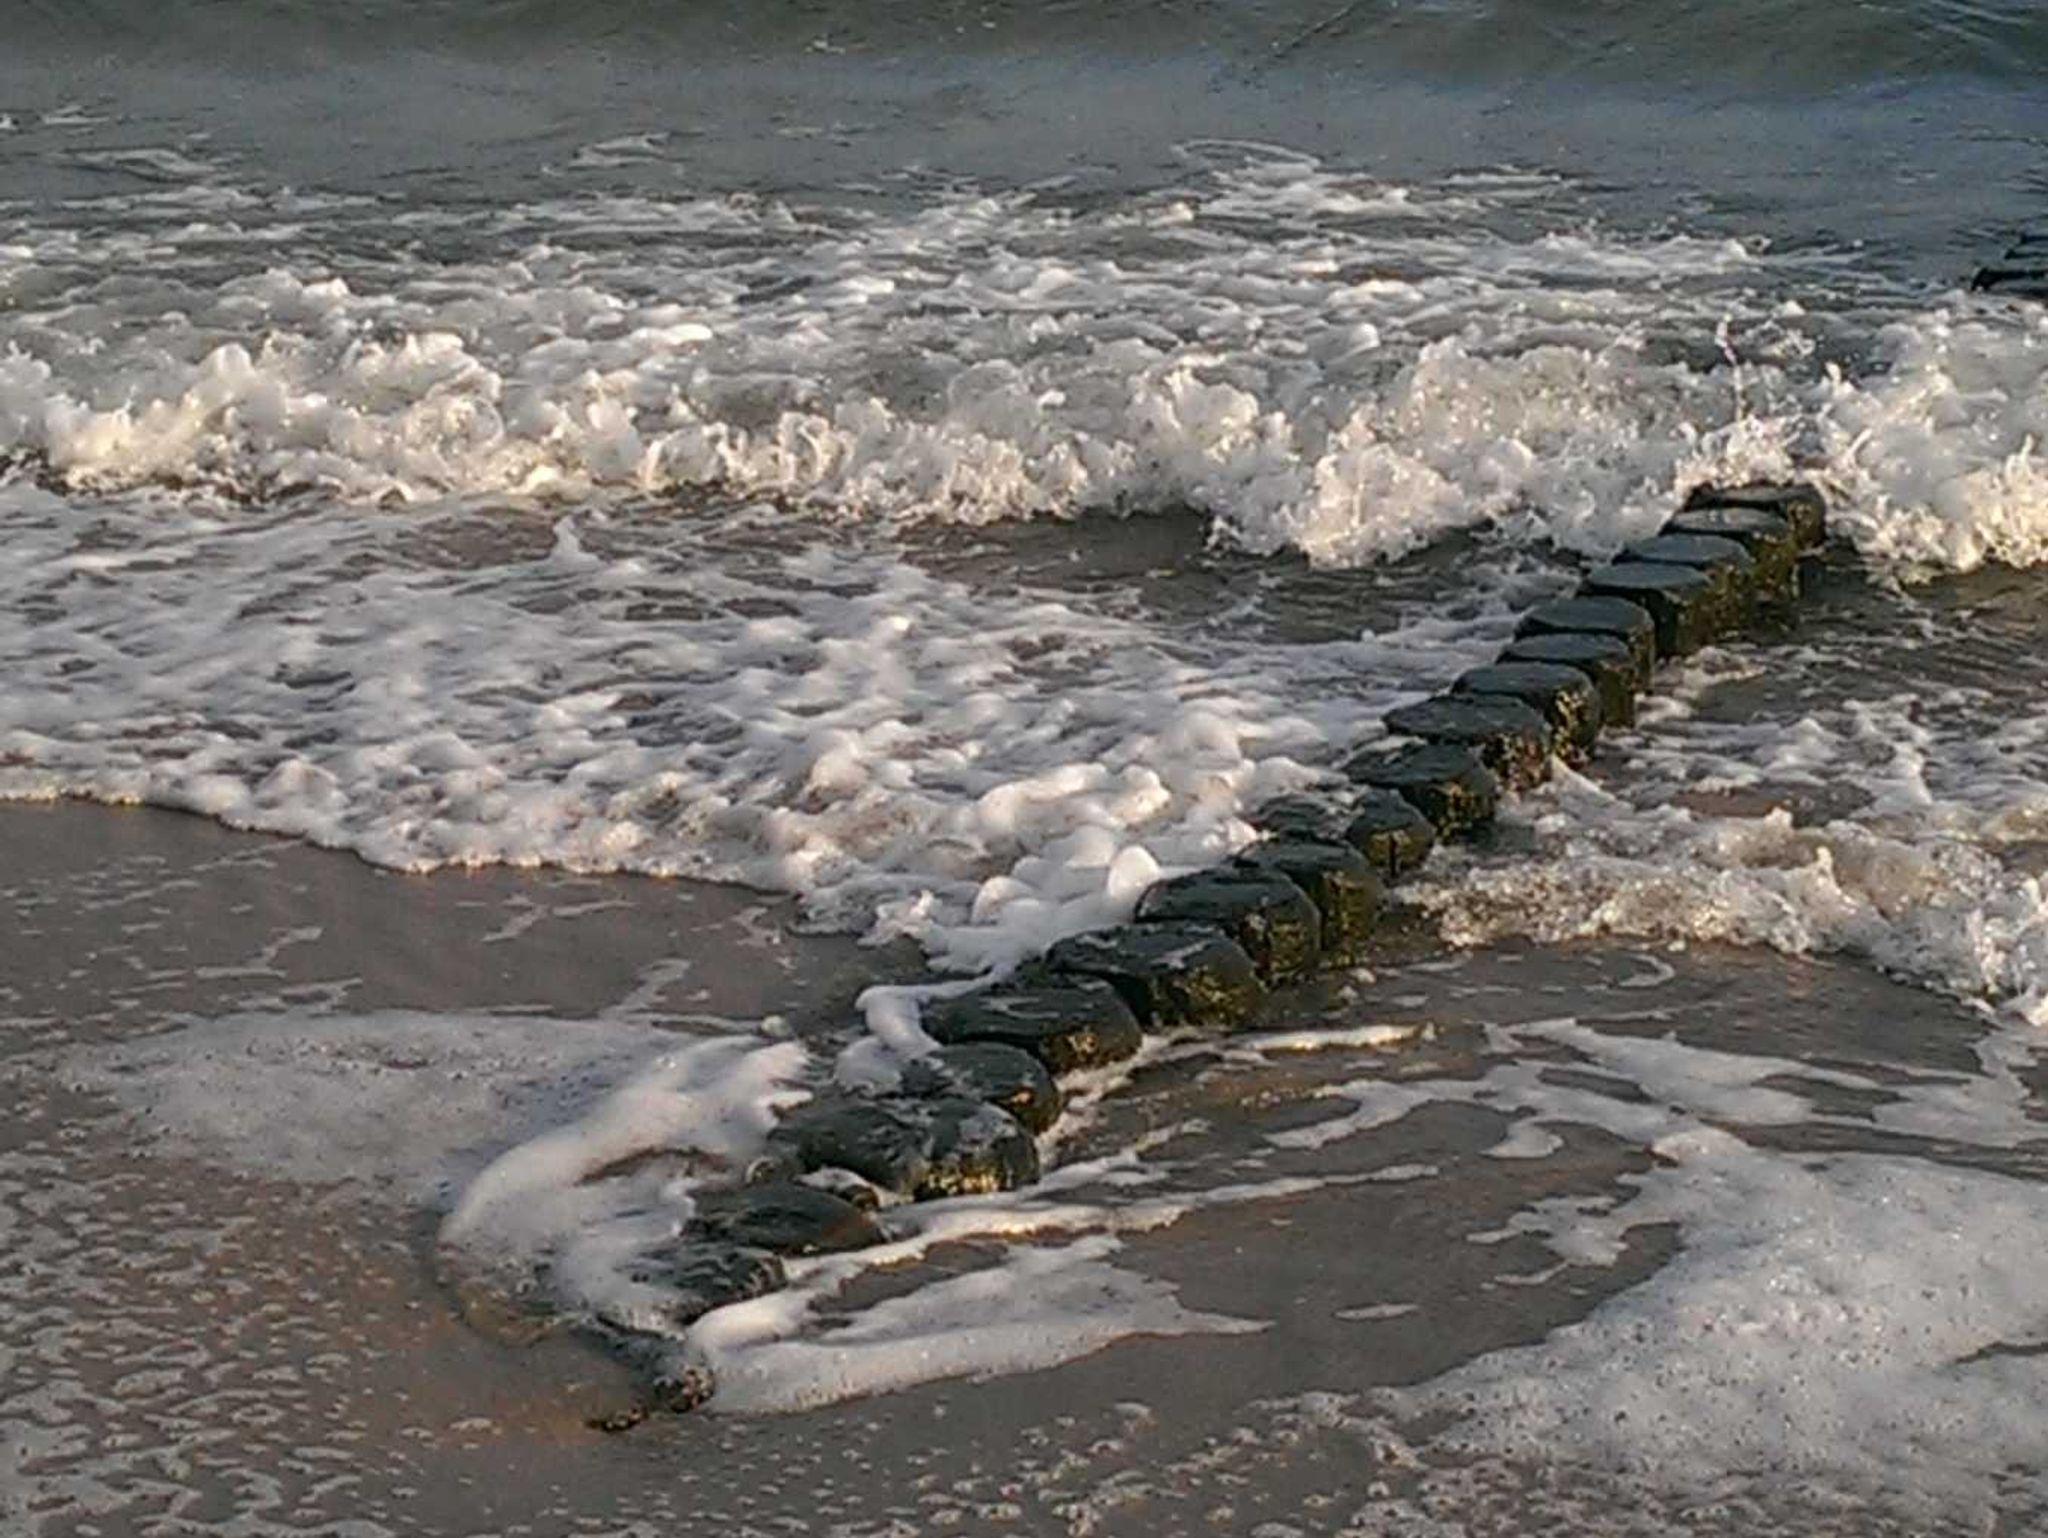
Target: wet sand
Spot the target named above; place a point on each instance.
(189, 1347)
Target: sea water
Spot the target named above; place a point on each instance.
(949, 467)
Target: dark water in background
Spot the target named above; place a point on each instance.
(1911, 129)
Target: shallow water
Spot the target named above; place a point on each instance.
(934, 472)
(236, 1129)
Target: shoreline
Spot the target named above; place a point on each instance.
(489, 938)
(241, 1326)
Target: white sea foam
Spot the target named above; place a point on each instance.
(588, 1200)
(1035, 1308)
(978, 771)
(1862, 1317)
(402, 1104)
(1939, 453)
(566, 1144)
(714, 1101)
(1867, 1319)
(1916, 880)
(1377, 367)
(1320, 361)
(1863, 1320)
(466, 620)
(574, 1148)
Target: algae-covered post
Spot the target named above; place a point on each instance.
(1004, 1076)
(1275, 921)
(1390, 832)
(1770, 539)
(1511, 739)
(1689, 608)
(918, 1148)
(1445, 782)
(1725, 563)
(1338, 879)
(1174, 976)
(1564, 696)
(1620, 618)
(1604, 659)
(1075, 1022)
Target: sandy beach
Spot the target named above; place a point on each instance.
(191, 1346)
